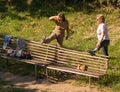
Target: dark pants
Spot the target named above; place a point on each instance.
(104, 46)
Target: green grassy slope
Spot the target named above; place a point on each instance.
(82, 29)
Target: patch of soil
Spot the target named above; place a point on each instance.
(30, 84)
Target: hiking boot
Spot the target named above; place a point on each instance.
(92, 52)
(42, 39)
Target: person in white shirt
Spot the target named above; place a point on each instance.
(102, 35)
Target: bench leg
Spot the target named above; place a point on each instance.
(46, 70)
(89, 81)
(7, 62)
(36, 71)
(99, 84)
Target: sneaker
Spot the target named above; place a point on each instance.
(91, 52)
(42, 40)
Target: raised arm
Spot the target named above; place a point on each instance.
(53, 18)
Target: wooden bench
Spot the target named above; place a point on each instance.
(66, 60)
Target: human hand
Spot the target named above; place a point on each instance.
(67, 37)
(98, 44)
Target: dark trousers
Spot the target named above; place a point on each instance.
(104, 46)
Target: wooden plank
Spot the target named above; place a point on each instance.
(72, 71)
(42, 51)
(85, 60)
(79, 59)
(97, 55)
(72, 51)
(84, 55)
(76, 56)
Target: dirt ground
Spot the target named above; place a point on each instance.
(41, 85)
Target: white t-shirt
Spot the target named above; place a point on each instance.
(102, 27)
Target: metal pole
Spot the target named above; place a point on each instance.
(46, 73)
(89, 81)
(36, 71)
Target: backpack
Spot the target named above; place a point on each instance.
(23, 54)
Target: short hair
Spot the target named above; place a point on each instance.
(61, 15)
(101, 16)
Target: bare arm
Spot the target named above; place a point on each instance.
(53, 18)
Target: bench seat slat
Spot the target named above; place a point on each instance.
(65, 69)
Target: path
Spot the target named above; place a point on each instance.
(31, 85)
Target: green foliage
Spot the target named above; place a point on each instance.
(116, 88)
